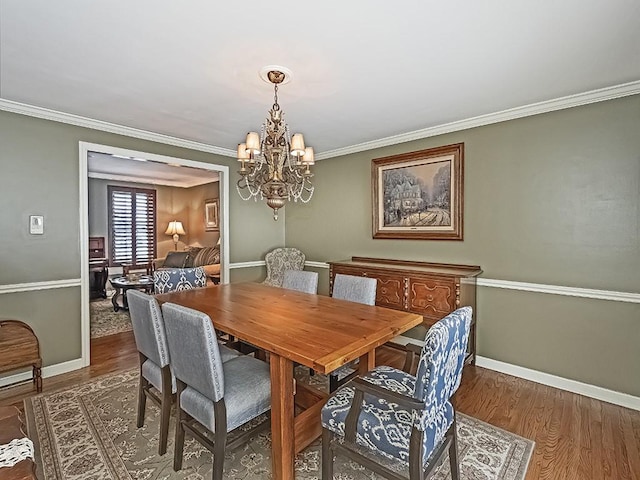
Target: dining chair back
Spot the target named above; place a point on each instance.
(355, 289)
(280, 259)
(211, 394)
(405, 422)
(155, 371)
(175, 279)
(301, 281)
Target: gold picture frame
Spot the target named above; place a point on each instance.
(419, 195)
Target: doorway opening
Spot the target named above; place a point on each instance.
(120, 166)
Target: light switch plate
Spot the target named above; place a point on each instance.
(36, 224)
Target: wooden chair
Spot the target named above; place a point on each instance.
(213, 397)
(20, 348)
(397, 424)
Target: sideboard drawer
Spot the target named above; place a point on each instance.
(433, 298)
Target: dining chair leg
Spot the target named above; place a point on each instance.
(327, 455)
(453, 452)
(220, 439)
(142, 398)
(165, 409)
(179, 442)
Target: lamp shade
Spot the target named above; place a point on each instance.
(309, 157)
(242, 152)
(175, 227)
(253, 143)
(297, 145)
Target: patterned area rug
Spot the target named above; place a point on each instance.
(104, 321)
(88, 432)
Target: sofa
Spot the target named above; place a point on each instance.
(206, 257)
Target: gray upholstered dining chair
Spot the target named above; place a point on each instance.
(175, 279)
(352, 289)
(155, 370)
(301, 281)
(397, 424)
(355, 289)
(211, 394)
(280, 259)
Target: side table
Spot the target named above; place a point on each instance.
(122, 284)
(20, 348)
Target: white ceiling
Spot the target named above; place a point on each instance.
(363, 70)
(140, 170)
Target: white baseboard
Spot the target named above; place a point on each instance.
(48, 371)
(574, 386)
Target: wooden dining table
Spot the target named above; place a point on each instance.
(317, 331)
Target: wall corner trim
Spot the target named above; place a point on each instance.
(255, 263)
(574, 386)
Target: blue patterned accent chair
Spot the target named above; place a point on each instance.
(352, 289)
(301, 281)
(279, 260)
(175, 279)
(212, 395)
(397, 424)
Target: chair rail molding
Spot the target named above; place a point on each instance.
(33, 286)
(561, 383)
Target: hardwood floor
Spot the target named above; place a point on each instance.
(577, 438)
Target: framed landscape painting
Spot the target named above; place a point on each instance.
(419, 195)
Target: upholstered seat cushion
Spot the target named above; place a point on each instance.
(384, 426)
(153, 374)
(241, 374)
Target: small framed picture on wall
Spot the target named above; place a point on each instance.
(211, 215)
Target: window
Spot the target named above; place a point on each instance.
(132, 225)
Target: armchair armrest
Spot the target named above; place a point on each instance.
(412, 354)
(361, 387)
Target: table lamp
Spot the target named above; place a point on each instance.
(176, 229)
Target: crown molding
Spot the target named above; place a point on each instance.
(151, 181)
(594, 96)
(68, 118)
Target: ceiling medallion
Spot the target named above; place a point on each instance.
(275, 165)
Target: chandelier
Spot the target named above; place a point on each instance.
(275, 165)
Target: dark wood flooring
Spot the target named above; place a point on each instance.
(577, 438)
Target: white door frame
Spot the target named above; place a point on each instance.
(85, 148)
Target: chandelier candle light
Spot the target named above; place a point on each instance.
(275, 165)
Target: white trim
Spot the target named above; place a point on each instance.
(150, 181)
(600, 95)
(592, 391)
(50, 371)
(256, 263)
(84, 149)
(316, 264)
(574, 386)
(561, 290)
(594, 96)
(33, 286)
(47, 114)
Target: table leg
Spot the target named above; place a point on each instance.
(282, 418)
(114, 299)
(367, 362)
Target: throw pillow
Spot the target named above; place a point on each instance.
(176, 260)
(207, 256)
(193, 251)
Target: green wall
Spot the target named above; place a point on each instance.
(39, 162)
(551, 199)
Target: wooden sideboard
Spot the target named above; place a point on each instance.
(432, 290)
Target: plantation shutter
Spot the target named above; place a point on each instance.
(132, 225)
